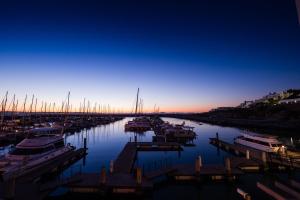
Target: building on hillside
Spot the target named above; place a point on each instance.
(289, 101)
(221, 109)
(245, 104)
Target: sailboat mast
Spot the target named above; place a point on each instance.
(137, 101)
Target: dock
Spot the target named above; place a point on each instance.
(120, 178)
(126, 159)
(258, 155)
(212, 172)
(114, 184)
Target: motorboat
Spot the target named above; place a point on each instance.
(32, 153)
(267, 143)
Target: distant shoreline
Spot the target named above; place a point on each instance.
(280, 120)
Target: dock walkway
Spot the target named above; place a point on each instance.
(126, 159)
(115, 183)
(257, 155)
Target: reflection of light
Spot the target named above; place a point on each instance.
(292, 142)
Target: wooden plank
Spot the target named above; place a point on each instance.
(270, 192)
(126, 159)
(92, 180)
(287, 189)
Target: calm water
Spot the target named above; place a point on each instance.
(106, 142)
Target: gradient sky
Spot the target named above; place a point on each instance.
(184, 55)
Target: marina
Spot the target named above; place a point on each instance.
(150, 100)
(137, 166)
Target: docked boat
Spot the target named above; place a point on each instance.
(180, 131)
(267, 143)
(139, 124)
(45, 131)
(31, 154)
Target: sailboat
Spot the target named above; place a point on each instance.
(138, 124)
(37, 150)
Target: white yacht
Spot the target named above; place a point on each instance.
(267, 143)
(32, 153)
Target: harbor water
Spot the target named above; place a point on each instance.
(105, 142)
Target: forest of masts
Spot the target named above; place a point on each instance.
(31, 105)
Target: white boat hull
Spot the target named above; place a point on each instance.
(255, 145)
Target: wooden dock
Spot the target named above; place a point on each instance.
(126, 159)
(120, 179)
(257, 155)
(115, 183)
(187, 172)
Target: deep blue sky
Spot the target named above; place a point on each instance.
(184, 55)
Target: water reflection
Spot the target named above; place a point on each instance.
(106, 142)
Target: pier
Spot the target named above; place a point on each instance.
(120, 179)
(290, 160)
(126, 159)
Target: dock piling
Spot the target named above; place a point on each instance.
(198, 164)
(264, 157)
(200, 161)
(228, 165)
(139, 176)
(103, 175)
(84, 143)
(247, 154)
(111, 166)
(245, 195)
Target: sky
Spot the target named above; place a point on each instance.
(185, 56)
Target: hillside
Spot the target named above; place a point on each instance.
(285, 117)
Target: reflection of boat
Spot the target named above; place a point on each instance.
(266, 143)
(32, 153)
